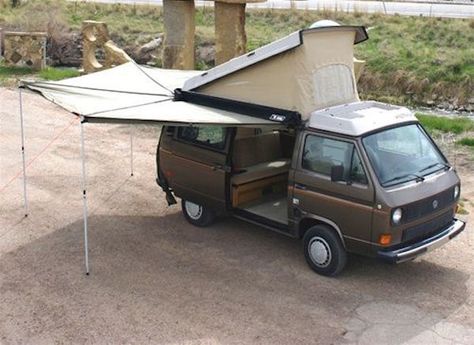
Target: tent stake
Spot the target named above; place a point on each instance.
(84, 198)
(131, 152)
(25, 195)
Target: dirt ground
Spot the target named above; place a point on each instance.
(157, 279)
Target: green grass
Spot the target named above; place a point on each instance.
(444, 124)
(466, 142)
(51, 73)
(9, 74)
(13, 71)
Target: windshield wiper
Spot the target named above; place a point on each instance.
(417, 178)
(445, 166)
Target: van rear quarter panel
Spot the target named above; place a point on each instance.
(190, 171)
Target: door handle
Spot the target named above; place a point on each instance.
(221, 167)
(300, 186)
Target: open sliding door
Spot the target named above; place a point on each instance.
(194, 161)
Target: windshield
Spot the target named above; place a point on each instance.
(403, 154)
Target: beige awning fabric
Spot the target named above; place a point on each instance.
(130, 93)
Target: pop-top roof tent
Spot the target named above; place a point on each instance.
(280, 83)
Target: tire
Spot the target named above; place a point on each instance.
(324, 251)
(197, 215)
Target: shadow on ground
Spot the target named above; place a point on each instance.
(159, 279)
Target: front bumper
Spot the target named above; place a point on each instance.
(412, 251)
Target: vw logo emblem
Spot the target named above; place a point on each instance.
(435, 204)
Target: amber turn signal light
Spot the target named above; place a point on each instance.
(385, 239)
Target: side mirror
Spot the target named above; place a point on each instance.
(337, 172)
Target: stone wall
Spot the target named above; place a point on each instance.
(25, 49)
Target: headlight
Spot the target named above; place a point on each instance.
(456, 192)
(397, 216)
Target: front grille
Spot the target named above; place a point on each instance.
(424, 207)
(429, 228)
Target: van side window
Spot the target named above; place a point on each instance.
(213, 137)
(169, 130)
(321, 153)
(357, 173)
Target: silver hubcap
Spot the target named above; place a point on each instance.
(319, 252)
(193, 210)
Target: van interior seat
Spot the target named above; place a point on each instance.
(262, 170)
(258, 156)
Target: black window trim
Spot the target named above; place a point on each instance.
(224, 150)
(343, 139)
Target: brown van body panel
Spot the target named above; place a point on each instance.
(194, 173)
(347, 208)
(410, 196)
(359, 213)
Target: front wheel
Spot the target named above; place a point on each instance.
(324, 251)
(197, 214)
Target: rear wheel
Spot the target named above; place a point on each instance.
(197, 214)
(324, 251)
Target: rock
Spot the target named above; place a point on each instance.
(95, 37)
(152, 45)
(207, 54)
(152, 63)
(114, 55)
(471, 100)
(65, 50)
(148, 51)
(443, 105)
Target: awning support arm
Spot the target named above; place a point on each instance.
(25, 195)
(278, 115)
(131, 151)
(84, 198)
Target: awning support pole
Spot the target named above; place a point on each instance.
(131, 152)
(25, 195)
(84, 198)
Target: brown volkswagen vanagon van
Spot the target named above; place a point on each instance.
(279, 137)
(363, 178)
(342, 174)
